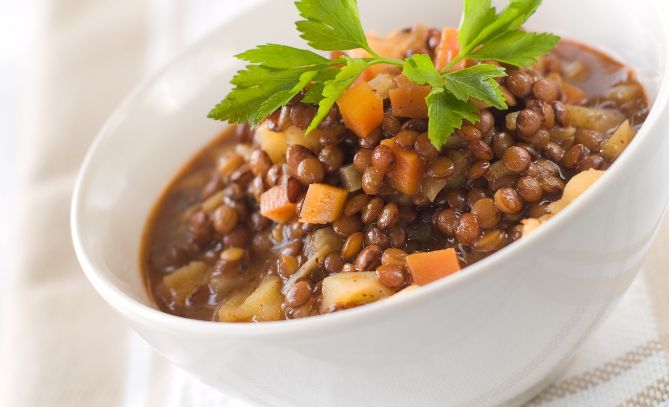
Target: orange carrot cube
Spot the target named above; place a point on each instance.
(430, 266)
(323, 204)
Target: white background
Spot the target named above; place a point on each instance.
(18, 29)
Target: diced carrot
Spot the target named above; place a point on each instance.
(572, 94)
(274, 205)
(448, 48)
(430, 266)
(322, 204)
(409, 101)
(362, 109)
(407, 174)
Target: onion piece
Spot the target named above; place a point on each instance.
(350, 178)
(432, 186)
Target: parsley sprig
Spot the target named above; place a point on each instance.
(276, 73)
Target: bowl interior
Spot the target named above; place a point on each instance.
(164, 122)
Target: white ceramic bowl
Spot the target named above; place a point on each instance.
(485, 336)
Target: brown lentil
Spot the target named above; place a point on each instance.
(528, 123)
(295, 154)
(347, 225)
(331, 157)
(406, 138)
(301, 115)
(470, 133)
(478, 170)
(333, 263)
(551, 184)
(516, 159)
(468, 229)
(561, 114)
(519, 83)
(500, 142)
(372, 210)
(391, 124)
(356, 204)
(554, 152)
(480, 150)
(310, 171)
(376, 236)
(490, 241)
(383, 158)
(457, 199)
(447, 221)
(592, 161)
(298, 294)
(486, 122)
(441, 167)
(368, 259)
(286, 265)
(487, 213)
(362, 159)
(293, 189)
(389, 216)
(224, 219)
(372, 181)
(425, 148)
(352, 245)
(391, 276)
(508, 201)
(529, 189)
(398, 236)
(546, 90)
(371, 140)
(573, 157)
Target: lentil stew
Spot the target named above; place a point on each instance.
(268, 223)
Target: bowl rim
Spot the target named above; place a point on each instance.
(369, 313)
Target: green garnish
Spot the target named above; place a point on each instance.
(277, 73)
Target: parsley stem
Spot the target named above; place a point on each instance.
(380, 60)
(458, 58)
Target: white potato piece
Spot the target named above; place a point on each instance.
(295, 135)
(618, 142)
(346, 290)
(182, 281)
(264, 304)
(382, 84)
(574, 188)
(530, 225)
(594, 118)
(272, 142)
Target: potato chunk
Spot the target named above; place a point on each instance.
(574, 188)
(347, 290)
(264, 304)
(618, 142)
(274, 143)
(593, 118)
(182, 281)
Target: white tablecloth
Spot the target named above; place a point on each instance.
(62, 346)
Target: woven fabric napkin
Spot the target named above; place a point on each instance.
(63, 346)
